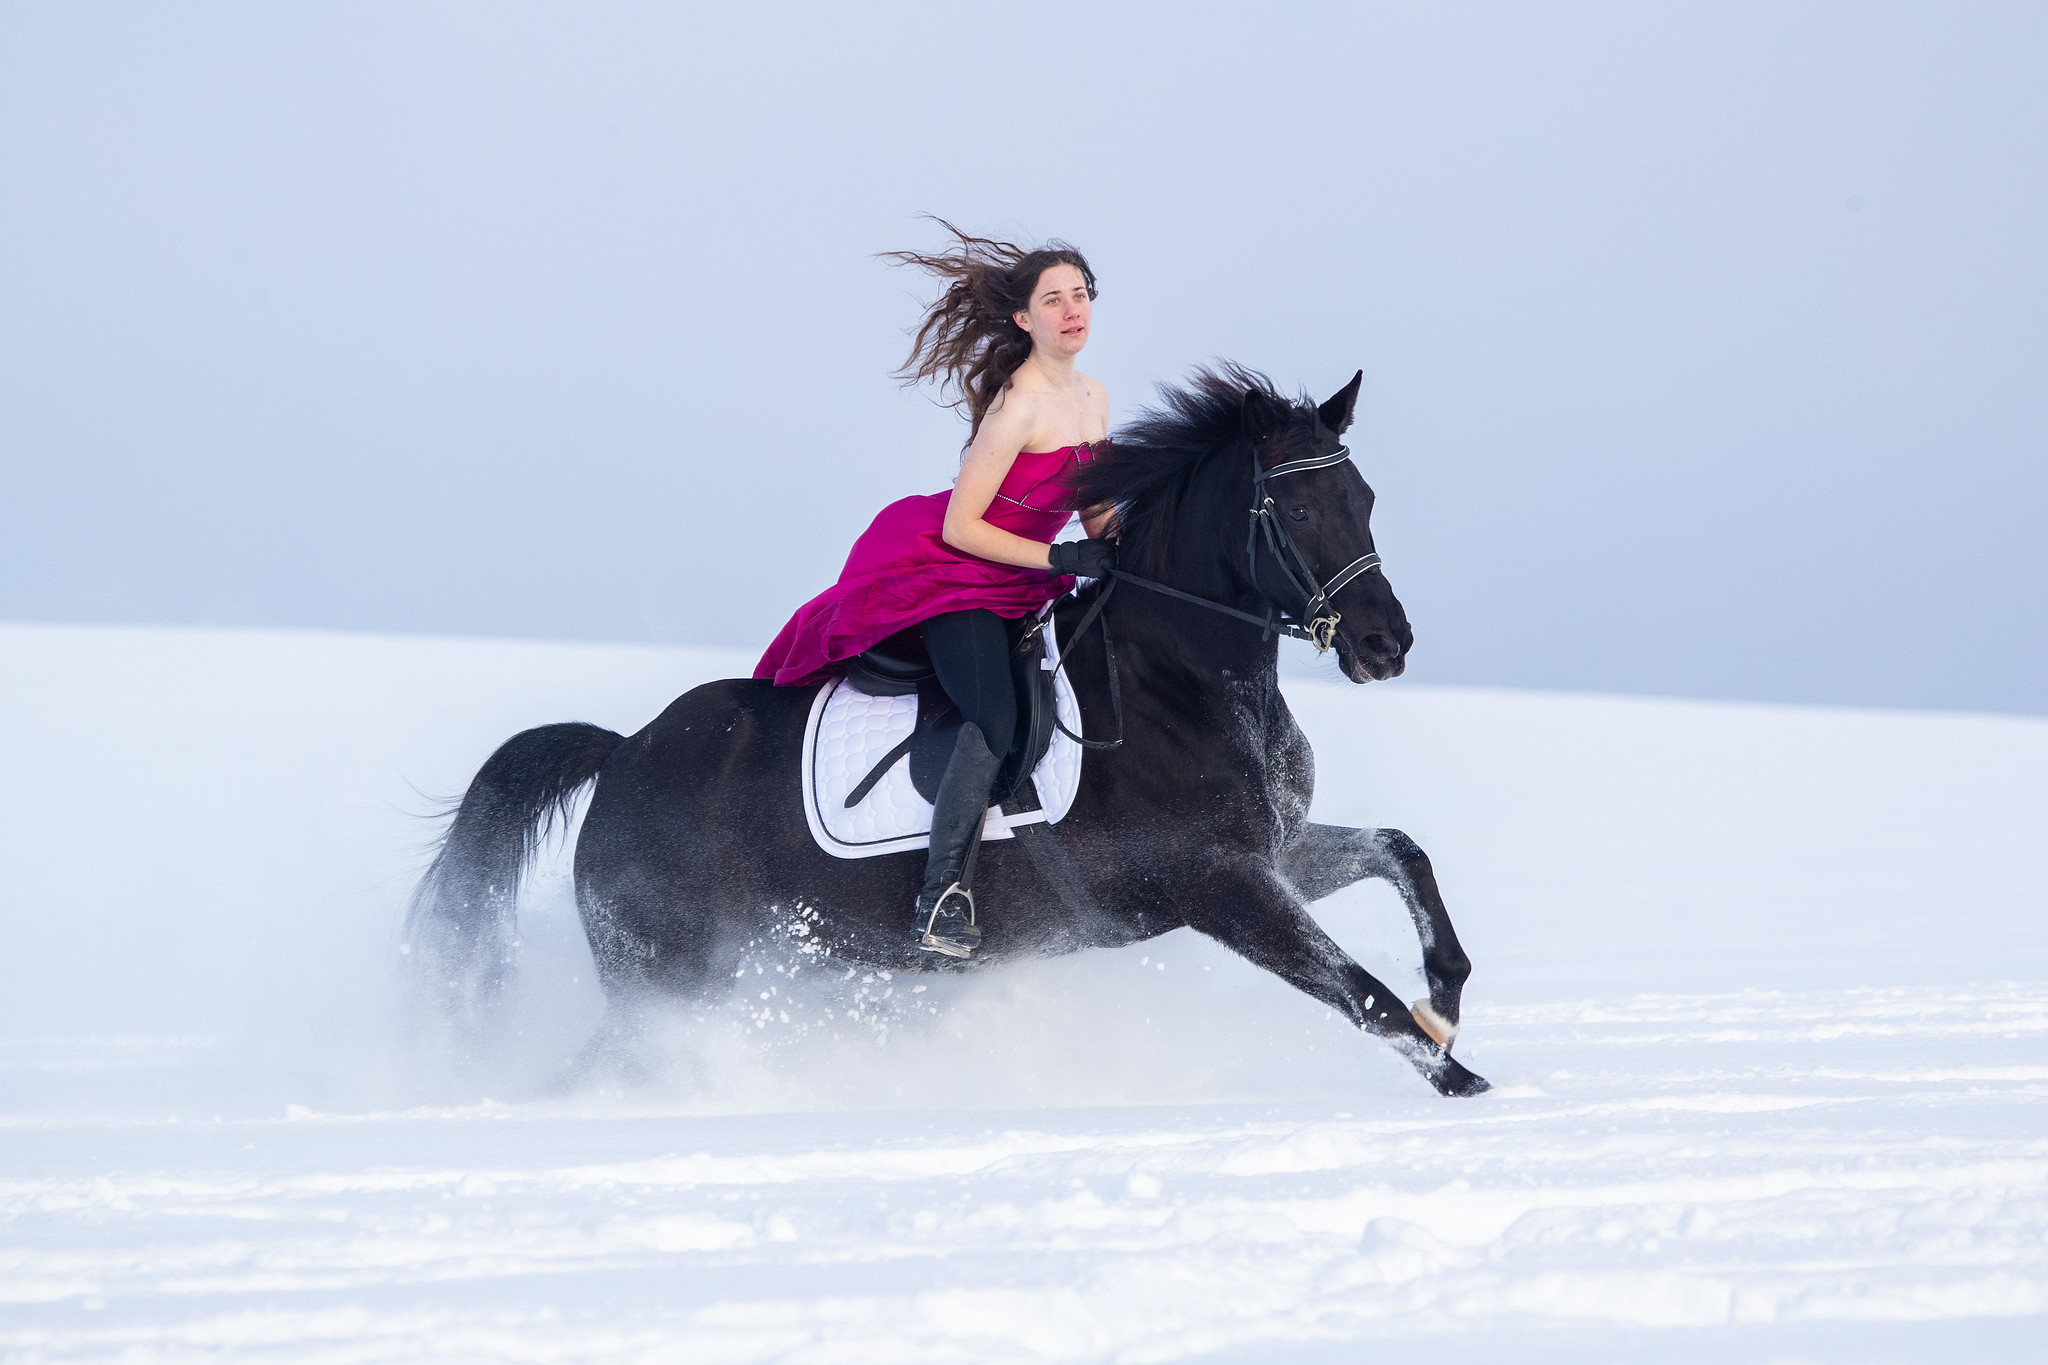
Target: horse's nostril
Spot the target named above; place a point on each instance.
(1381, 645)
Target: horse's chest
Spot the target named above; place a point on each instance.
(1242, 770)
(1286, 772)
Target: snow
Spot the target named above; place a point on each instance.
(1763, 990)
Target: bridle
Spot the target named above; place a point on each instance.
(1316, 622)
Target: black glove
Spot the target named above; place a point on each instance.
(1083, 558)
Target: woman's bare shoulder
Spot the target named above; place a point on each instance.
(1005, 429)
(1013, 410)
(1097, 397)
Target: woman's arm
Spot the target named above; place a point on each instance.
(1003, 433)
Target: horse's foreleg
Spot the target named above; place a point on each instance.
(1326, 858)
(1257, 916)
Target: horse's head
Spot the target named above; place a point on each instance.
(1182, 477)
(1312, 550)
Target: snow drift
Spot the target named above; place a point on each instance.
(1763, 989)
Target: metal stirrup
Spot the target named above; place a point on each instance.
(933, 918)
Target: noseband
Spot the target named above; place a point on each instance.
(1318, 619)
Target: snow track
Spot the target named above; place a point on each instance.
(1764, 993)
(1758, 1164)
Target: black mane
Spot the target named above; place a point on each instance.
(1150, 465)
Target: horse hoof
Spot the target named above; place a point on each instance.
(1453, 1081)
(1441, 1031)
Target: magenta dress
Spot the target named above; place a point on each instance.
(902, 571)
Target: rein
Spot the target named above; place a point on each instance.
(1321, 619)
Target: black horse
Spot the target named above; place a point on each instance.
(695, 844)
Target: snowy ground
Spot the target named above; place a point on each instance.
(1764, 991)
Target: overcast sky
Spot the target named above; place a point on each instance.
(1705, 345)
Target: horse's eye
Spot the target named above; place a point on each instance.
(1297, 514)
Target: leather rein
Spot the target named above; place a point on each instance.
(1317, 621)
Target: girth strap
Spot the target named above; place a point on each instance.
(1057, 867)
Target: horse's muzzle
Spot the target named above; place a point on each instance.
(1376, 657)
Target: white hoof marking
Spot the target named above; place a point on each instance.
(1440, 1029)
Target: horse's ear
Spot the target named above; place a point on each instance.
(1259, 416)
(1336, 413)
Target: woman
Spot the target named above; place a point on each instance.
(959, 565)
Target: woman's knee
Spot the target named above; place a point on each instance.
(991, 701)
(971, 652)
(998, 724)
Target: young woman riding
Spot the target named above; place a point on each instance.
(958, 566)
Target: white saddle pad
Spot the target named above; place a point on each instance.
(850, 731)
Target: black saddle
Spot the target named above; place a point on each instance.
(900, 666)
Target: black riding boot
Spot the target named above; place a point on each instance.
(945, 908)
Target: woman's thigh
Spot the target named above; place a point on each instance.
(971, 652)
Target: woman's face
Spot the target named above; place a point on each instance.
(1059, 312)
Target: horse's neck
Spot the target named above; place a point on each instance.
(1188, 662)
(1202, 697)
(1176, 650)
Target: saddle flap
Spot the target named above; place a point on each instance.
(858, 798)
(939, 720)
(931, 744)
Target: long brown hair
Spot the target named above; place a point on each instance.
(968, 340)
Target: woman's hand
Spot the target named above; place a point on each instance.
(1084, 558)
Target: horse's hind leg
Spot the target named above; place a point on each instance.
(650, 950)
(1327, 858)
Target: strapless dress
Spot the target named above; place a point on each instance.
(901, 571)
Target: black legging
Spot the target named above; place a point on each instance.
(971, 651)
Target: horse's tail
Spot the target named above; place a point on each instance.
(462, 927)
